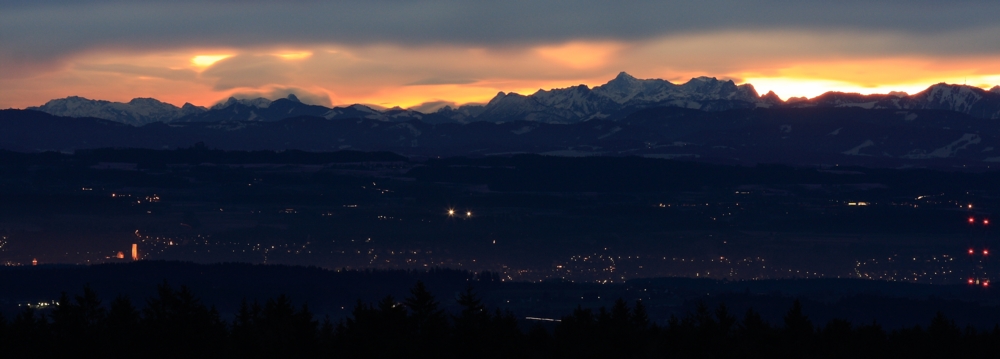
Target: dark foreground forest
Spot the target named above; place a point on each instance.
(176, 324)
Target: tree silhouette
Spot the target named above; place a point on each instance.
(177, 316)
(640, 318)
(274, 330)
(505, 338)
(378, 331)
(427, 321)
(944, 335)
(471, 328)
(838, 338)
(3, 331)
(78, 325)
(798, 331)
(29, 335)
(473, 311)
(174, 323)
(245, 331)
(122, 326)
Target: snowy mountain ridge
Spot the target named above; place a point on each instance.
(137, 112)
(615, 99)
(958, 98)
(624, 92)
(259, 102)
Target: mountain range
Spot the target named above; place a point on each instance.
(705, 119)
(614, 100)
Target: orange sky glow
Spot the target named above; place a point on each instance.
(431, 76)
(430, 53)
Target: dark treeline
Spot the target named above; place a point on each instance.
(175, 323)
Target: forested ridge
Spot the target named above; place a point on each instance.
(175, 323)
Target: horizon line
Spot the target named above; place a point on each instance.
(454, 104)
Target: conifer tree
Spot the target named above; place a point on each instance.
(428, 324)
(3, 331)
(640, 318)
(471, 324)
(29, 335)
(122, 328)
(798, 331)
(77, 324)
(177, 316)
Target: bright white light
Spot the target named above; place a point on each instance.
(207, 60)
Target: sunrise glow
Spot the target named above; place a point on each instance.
(428, 80)
(578, 55)
(294, 55)
(207, 60)
(390, 60)
(873, 76)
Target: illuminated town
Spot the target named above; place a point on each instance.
(375, 218)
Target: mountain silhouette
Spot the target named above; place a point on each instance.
(613, 100)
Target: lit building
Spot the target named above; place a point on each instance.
(135, 251)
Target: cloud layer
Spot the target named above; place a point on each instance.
(40, 28)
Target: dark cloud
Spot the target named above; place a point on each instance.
(42, 30)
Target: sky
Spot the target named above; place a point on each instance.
(424, 54)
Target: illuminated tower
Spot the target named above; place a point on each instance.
(979, 253)
(34, 262)
(135, 251)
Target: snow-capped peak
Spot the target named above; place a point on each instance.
(703, 79)
(496, 99)
(624, 77)
(189, 109)
(362, 108)
(138, 111)
(945, 93)
(625, 87)
(703, 82)
(145, 101)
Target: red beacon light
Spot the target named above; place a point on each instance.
(986, 251)
(986, 284)
(971, 251)
(971, 281)
(972, 220)
(986, 221)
